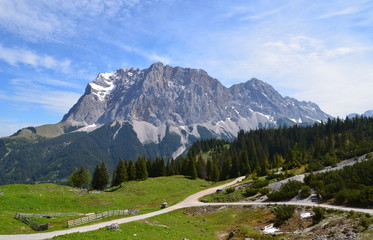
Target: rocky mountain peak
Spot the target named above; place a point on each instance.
(162, 95)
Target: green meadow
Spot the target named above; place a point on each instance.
(51, 198)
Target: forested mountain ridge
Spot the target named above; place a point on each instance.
(260, 150)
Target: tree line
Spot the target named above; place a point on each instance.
(257, 152)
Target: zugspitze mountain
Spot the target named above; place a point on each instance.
(183, 101)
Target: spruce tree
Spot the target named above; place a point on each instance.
(142, 172)
(215, 176)
(96, 178)
(104, 176)
(100, 177)
(79, 177)
(131, 171)
(235, 172)
(159, 168)
(192, 169)
(209, 170)
(120, 173)
(201, 168)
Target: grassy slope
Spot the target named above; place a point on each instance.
(190, 224)
(145, 195)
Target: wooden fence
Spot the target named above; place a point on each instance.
(47, 215)
(94, 217)
(32, 224)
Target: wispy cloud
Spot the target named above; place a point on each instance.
(15, 56)
(27, 91)
(347, 11)
(55, 21)
(149, 55)
(262, 15)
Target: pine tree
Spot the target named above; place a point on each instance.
(96, 178)
(170, 167)
(201, 168)
(226, 168)
(131, 171)
(120, 174)
(278, 160)
(150, 167)
(142, 172)
(209, 170)
(160, 168)
(79, 177)
(215, 176)
(264, 166)
(244, 163)
(234, 172)
(104, 176)
(192, 169)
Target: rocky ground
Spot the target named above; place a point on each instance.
(336, 225)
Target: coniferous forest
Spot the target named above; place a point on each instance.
(258, 151)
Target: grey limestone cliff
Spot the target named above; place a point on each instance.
(183, 100)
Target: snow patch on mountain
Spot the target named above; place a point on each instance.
(88, 128)
(102, 89)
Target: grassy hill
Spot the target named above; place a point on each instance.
(46, 198)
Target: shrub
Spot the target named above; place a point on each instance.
(251, 192)
(319, 214)
(283, 213)
(287, 191)
(305, 191)
(264, 191)
(230, 190)
(260, 183)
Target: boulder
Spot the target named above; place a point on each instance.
(114, 226)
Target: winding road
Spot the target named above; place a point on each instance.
(191, 201)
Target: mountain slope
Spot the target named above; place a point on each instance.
(158, 111)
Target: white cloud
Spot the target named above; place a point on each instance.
(347, 11)
(263, 14)
(157, 58)
(335, 78)
(27, 91)
(15, 56)
(55, 21)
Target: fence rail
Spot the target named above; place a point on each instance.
(41, 215)
(97, 216)
(32, 224)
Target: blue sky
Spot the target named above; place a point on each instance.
(320, 51)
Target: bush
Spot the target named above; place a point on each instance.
(251, 192)
(260, 183)
(264, 191)
(287, 191)
(283, 213)
(230, 190)
(319, 214)
(305, 191)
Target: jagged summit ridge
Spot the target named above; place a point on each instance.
(180, 95)
(180, 99)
